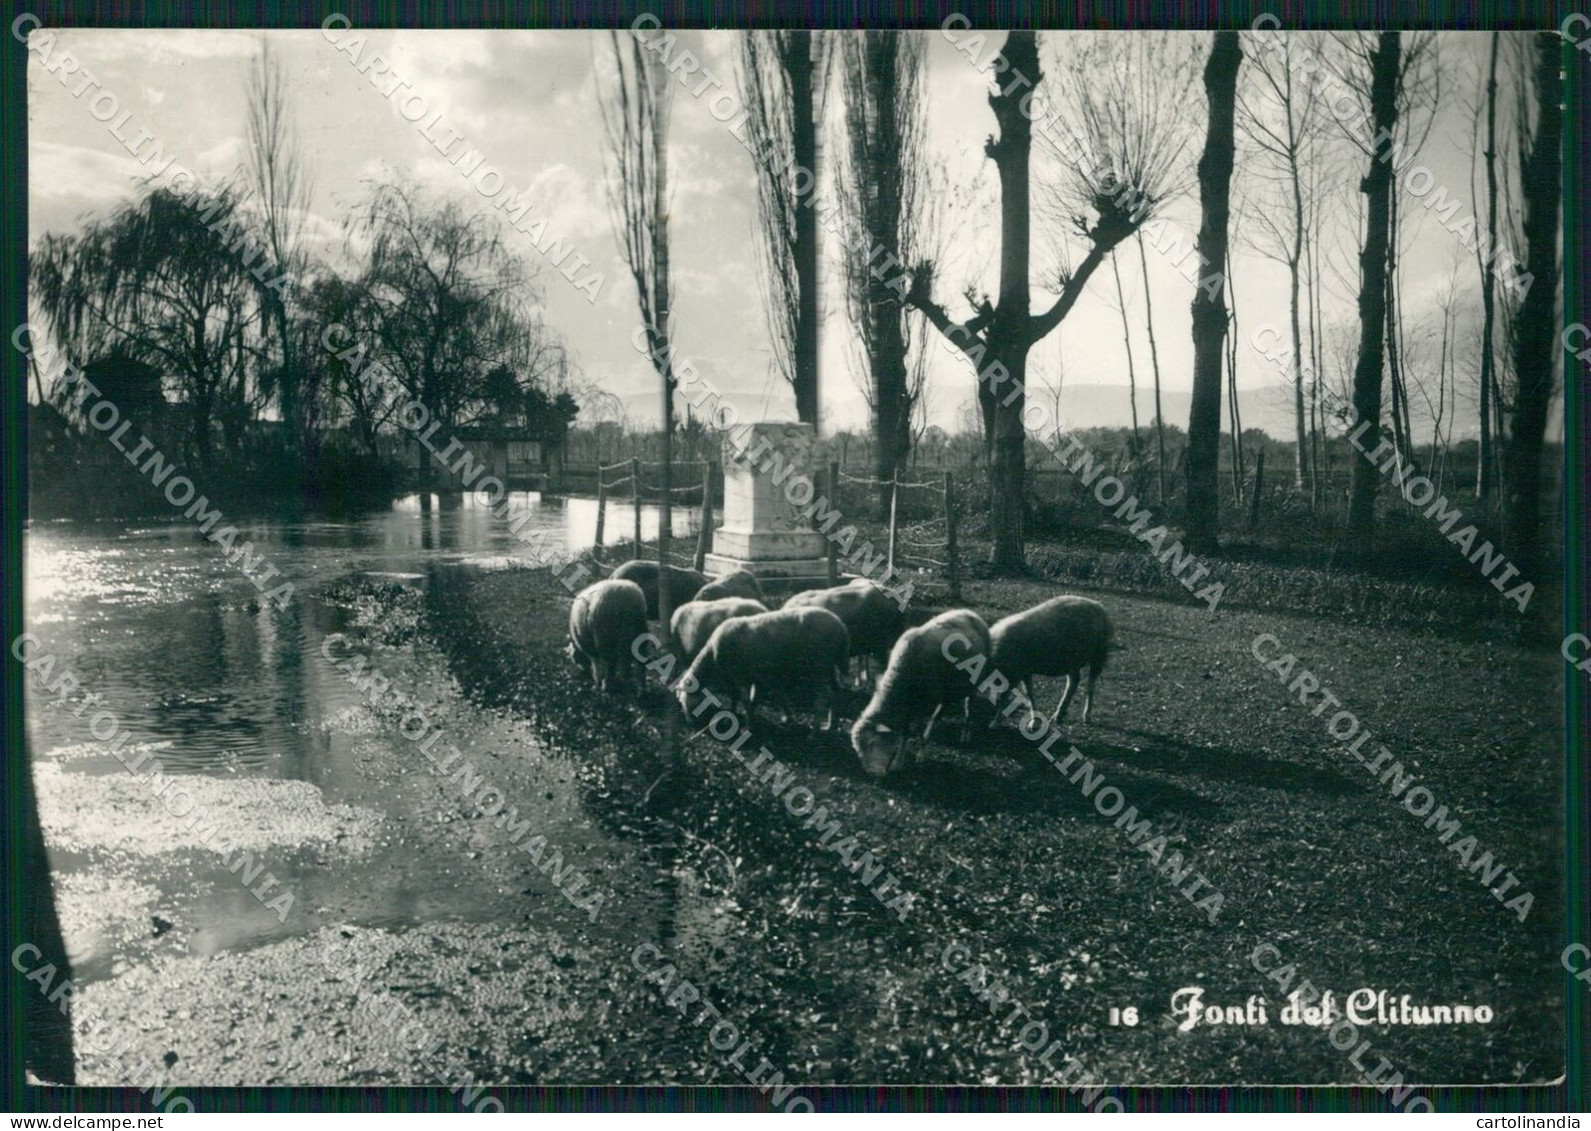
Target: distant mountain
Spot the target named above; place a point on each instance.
(1266, 407)
(1108, 406)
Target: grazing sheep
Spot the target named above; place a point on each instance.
(792, 654)
(694, 622)
(740, 583)
(873, 619)
(683, 584)
(919, 682)
(604, 622)
(1060, 637)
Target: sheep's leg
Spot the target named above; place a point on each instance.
(931, 718)
(966, 720)
(1066, 698)
(1027, 689)
(1088, 697)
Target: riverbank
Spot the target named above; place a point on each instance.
(1009, 865)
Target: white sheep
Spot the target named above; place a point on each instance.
(740, 583)
(872, 618)
(1061, 637)
(790, 654)
(604, 622)
(694, 622)
(683, 584)
(920, 681)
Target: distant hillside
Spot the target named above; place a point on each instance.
(1266, 407)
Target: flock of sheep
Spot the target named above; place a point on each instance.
(740, 653)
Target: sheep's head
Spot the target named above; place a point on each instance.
(693, 699)
(881, 748)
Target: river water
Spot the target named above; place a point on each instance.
(154, 619)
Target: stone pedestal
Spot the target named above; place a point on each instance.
(763, 531)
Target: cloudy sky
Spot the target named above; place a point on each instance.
(529, 102)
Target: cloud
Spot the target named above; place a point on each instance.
(64, 181)
(157, 46)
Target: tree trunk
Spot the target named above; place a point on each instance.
(1535, 342)
(1300, 433)
(1209, 310)
(885, 324)
(804, 139)
(1009, 333)
(1126, 337)
(1377, 187)
(1239, 462)
(1483, 473)
(662, 303)
(1154, 361)
(998, 339)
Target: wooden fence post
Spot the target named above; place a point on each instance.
(894, 497)
(635, 499)
(704, 536)
(1259, 485)
(602, 507)
(834, 504)
(952, 565)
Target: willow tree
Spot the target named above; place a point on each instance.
(781, 78)
(635, 114)
(884, 195)
(160, 281)
(1118, 155)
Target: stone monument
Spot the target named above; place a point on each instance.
(764, 531)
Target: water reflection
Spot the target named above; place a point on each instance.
(155, 619)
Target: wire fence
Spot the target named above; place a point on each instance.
(698, 494)
(922, 516)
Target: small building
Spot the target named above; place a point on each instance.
(505, 452)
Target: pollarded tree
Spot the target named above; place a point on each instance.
(1130, 152)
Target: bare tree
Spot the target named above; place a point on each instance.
(1277, 117)
(275, 175)
(1535, 340)
(1385, 64)
(1126, 337)
(1132, 156)
(781, 78)
(635, 114)
(1209, 306)
(884, 194)
(1484, 472)
(1154, 361)
(447, 299)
